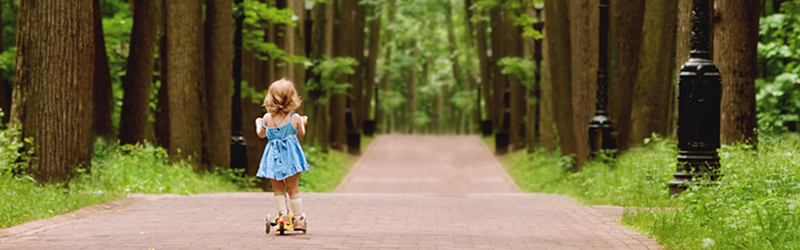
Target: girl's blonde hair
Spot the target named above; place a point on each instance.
(282, 97)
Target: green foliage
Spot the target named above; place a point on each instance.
(522, 68)
(754, 205)
(327, 72)
(777, 100)
(14, 158)
(257, 17)
(518, 14)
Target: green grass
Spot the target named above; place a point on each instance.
(116, 172)
(755, 205)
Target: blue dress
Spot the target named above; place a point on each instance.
(283, 156)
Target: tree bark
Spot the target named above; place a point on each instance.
(629, 16)
(318, 118)
(512, 47)
(411, 106)
(357, 78)
(339, 102)
(53, 77)
(162, 109)
(374, 50)
(735, 53)
(102, 96)
(296, 35)
(219, 72)
(472, 85)
(185, 77)
(5, 90)
(383, 84)
(652, 102)
(547, 127)
(134, 124)
(683, 37)
(498, 78)
(560, 63)
(481, 49)
(457, 74)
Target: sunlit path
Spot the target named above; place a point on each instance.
(427, 164)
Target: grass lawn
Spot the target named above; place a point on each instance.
(754, 206)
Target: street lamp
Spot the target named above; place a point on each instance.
(601, 130)
(699, 95)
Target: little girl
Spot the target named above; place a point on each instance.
(283, 158)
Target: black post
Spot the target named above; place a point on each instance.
(238, 144)
(501, 137)
(699, 95)
(601, 130)
(537, 89)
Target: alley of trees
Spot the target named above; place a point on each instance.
(188, 75)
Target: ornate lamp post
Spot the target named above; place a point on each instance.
(601, 130)
(699, 95)
(238, 144)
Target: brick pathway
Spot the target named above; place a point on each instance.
(415, 219)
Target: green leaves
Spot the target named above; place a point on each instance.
(327, 73)
(257, 18)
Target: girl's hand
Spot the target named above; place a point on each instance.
(258, 122)
(304, 119)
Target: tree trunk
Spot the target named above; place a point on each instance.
(547, 127)
(683, 41)
(383, 83)
(629, 16)
(357, 78)
(560, 71)
(5, 98)
(584, 16)
(498, 78)
(219, 72)
(102, 96)
(512, 45)
(457, 74)
(162, 109)
(134, 124)
(374, 50)
(296, 37)
(318, 118)
(475, 112)
(735, 53)
(339, 102)
(412, 91)
(481, 49)
(651, 102)
(185, 77)
(53, 77)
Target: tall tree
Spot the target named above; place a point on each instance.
(547, 131)
(162, 107)
(481, 49)
(498, 78)
(185, 77)
(134, 124)
(472, 85)
(102, 96)
(735, 53)
(457, 74)
(383, 83)
(5, 101)
(318, 125)
(584, 28)
(652, 100)
(357, 78)
(53, 77)
(559, 61)
(373, 53)
(342, 9)
(512, 45)
(683, 44)
(219, 72)
(628, 16)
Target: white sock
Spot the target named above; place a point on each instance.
(297, 206)
(280, 203)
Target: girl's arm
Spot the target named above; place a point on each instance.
(259, 129)
(301, 125)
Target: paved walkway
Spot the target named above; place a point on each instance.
(359, 216)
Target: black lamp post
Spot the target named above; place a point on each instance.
(699, 95)
(501, 137)
(238, 144)
(601, 130)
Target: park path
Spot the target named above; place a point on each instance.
(468, 204)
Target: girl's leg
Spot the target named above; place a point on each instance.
(292, 187)
(279, 196)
